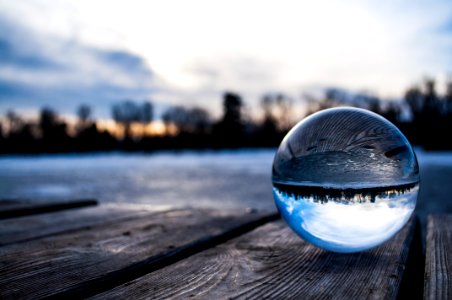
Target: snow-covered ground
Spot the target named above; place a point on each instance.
(221, 179)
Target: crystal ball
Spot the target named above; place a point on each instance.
(345, 179)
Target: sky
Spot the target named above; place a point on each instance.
(64, 53)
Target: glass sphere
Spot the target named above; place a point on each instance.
(345, 179)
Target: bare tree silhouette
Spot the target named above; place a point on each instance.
(125, 113)
(195, 120)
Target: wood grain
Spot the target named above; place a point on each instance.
(91, 260)
(272, 262)
(438, 262)
(13, 209)
(19, 230)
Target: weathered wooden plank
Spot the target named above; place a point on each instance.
(89, 261)
(272, 262)
(19, 230)
(18, 209)
(6, 203)
(438, 262)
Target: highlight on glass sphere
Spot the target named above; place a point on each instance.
(345, 179)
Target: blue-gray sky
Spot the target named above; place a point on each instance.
(63, 53)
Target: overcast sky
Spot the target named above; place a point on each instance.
(63, 53)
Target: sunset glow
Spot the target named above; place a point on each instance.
(190, 52)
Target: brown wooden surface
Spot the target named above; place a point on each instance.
(272, 262)
(438, 263)
(13, 209)
(19, 230)
(89, 260)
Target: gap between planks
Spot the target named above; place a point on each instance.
(15, 209)
(33, 227)
(154, 263)
(272, 262)
(89, 261)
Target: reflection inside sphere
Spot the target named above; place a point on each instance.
(345, 179)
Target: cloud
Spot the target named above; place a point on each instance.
(40, 69)
(355, 44)
(198, 49)
(207, 79)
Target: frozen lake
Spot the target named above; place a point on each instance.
(225, 179)
(219, 179)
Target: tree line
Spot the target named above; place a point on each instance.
(424, 116)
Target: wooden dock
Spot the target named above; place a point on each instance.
(82, 250)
